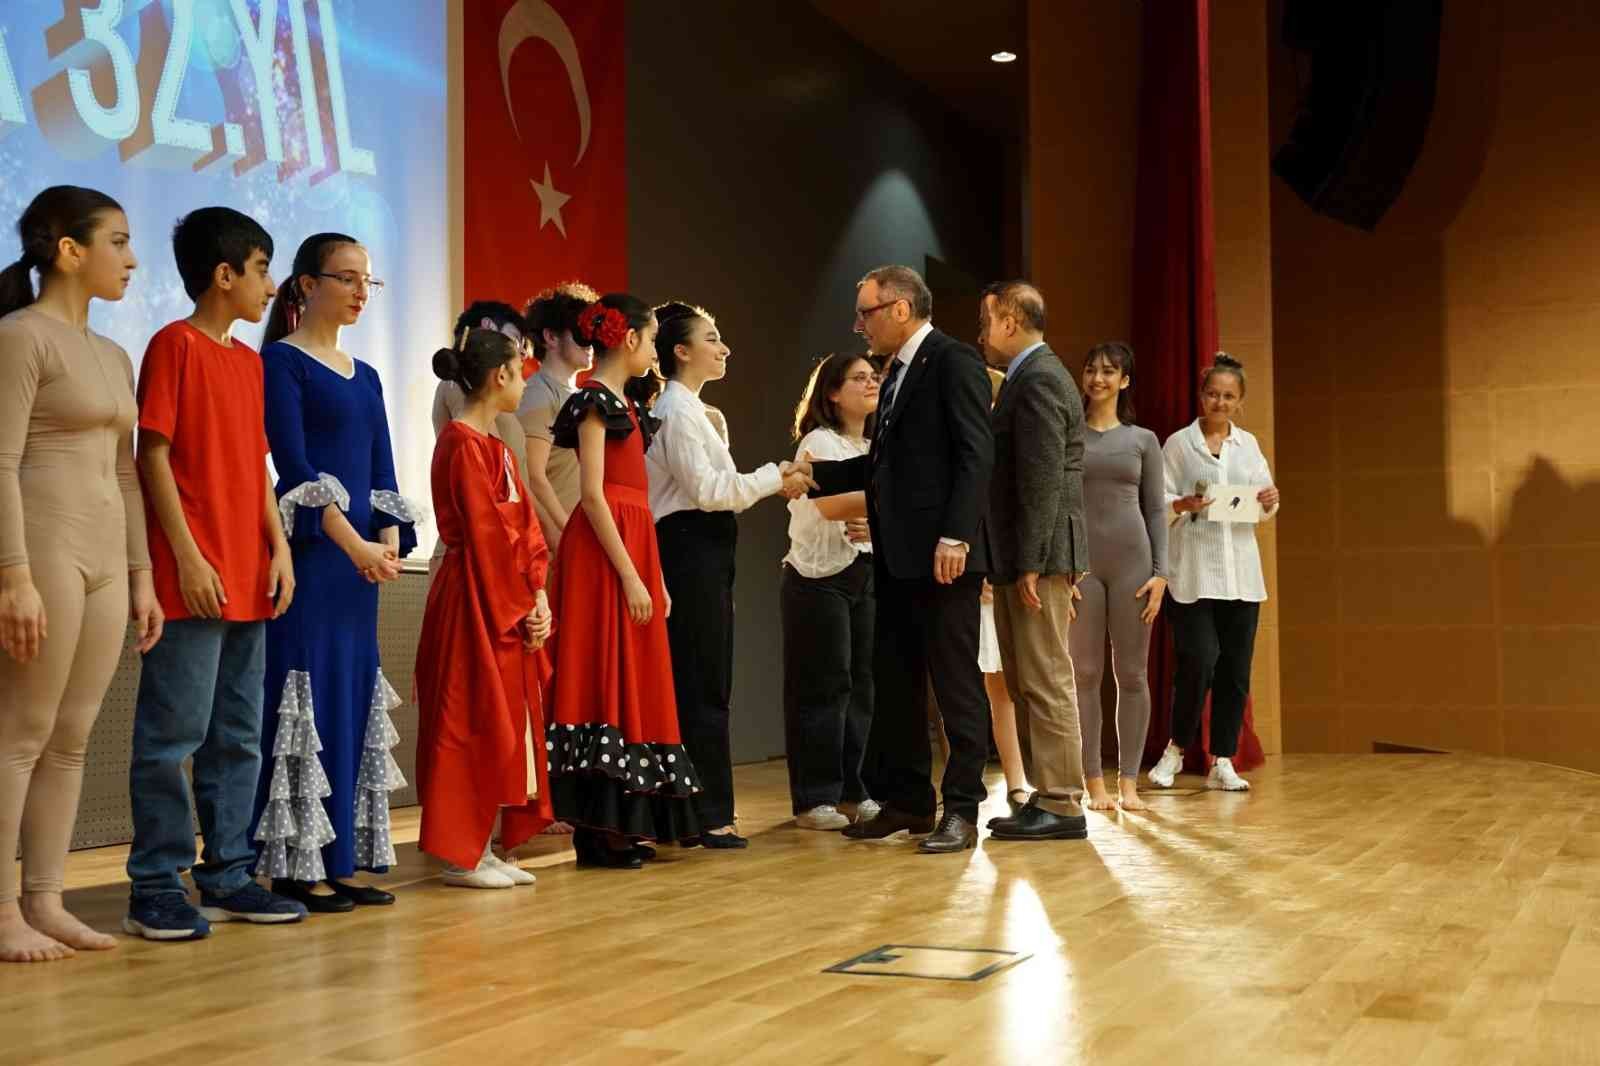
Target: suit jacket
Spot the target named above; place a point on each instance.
(1036, 495)
(927, 474)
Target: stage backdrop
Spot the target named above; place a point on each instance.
(306, 114)
(543, 95)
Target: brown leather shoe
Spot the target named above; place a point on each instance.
(888, 822)
(954, 834)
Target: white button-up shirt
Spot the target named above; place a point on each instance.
(689, 465)
(818, 547)
(908, 351)
(1213, 560)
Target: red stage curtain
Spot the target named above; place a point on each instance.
(1174, 330)
(525, 133)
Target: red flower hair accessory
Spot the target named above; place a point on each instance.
(604, 325)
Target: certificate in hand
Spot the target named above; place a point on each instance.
(1233, 503)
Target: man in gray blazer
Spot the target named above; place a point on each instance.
(1038, 551)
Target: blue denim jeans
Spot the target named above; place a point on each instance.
(200, 695)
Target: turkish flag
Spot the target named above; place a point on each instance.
(545, 170)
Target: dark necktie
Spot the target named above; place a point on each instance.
(891, 385)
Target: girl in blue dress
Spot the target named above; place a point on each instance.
(322, 808)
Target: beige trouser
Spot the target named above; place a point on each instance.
(47, 709)
(1033, 653)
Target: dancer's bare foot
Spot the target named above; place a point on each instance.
(558, 829)
(1128, 790)
(46, 913)
(1099, 798)
(21, 942)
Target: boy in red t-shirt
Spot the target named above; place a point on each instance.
(222, 568)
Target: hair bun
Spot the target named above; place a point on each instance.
(447, 364)
(1224, 359)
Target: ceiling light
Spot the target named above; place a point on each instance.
(1004, 57)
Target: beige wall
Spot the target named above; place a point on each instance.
(1437, 387)
(1083, 140)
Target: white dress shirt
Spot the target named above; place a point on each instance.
(819, 547)
(1213, 560)
(907, 352)
(689, 465)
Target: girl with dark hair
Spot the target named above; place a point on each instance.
(322, 807)
(618, 768)
(448, 399)
(487, 615)
(827, 606)
(73, 554)
(1124, 500)
(1217, 584)
(695, 491)
(553, 472)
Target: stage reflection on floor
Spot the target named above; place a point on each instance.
(1397, 909)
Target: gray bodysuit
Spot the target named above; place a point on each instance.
(1124, 502)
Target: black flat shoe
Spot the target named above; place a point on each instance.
(723, 841)
(315, 902)
(362, 895)
(645, 852)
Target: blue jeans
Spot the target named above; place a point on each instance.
(200, 695)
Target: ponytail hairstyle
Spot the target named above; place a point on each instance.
(604, 324)
(816, 407)
(556, 309)
(1224, 363)
(1120, 356)
(501, 314)
(291, 299)
(674, 321)
(58, 212)
(479, 354)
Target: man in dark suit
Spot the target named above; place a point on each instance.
(1038, 551)
(927, 488)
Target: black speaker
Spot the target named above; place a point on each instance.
(1364, 110)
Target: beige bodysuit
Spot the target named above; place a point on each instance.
(70, 509)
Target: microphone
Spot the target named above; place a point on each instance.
(1201, 487)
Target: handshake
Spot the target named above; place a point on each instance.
(796, 479)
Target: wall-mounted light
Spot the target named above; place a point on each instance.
(1004, 57)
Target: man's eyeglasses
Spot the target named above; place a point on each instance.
(864, 313)
(355, 281)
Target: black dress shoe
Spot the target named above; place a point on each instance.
(1036, 823)
(362, 895)
(315, 902)
(888, 822)
(645, 852)
(721, 841)
(954, 834)
(594, 851)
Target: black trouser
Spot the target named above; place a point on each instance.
(697, 550)
(827, 683)
(927, 629)
(1214, 641)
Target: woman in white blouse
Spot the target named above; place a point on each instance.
(695, 491)
(1216, 590)
(827, 604)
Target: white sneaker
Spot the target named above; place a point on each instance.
(824, 817)
(1166, 770)
(486, 875)
(1224, 779)
(517, 874)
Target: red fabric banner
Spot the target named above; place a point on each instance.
(1174, 285)
(546, 185)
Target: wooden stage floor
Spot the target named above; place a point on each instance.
(1386, 909)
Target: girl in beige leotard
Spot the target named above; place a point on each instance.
(72, 547)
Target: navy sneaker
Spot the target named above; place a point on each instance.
(164, 916)
(252, 903)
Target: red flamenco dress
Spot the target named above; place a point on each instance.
(617, 762)
(477, 685)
